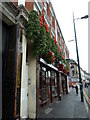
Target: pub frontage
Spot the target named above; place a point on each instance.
(51, 85)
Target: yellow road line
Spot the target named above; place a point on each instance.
(88, 100)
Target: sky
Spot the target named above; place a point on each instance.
(64, 13)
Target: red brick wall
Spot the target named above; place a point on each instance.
(43, 2)
(15, 2)
(53, 22)
(29, 5)
(48, 11)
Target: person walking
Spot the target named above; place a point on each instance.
(76, 87)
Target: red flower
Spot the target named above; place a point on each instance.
(59, 50)
(49, 53)
(63, 57)
(54, 59)
(46, 27)
(55, 40)
(41, 24)
(43, 19)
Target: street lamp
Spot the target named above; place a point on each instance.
(80, 80)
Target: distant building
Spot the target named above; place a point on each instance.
(74, 73)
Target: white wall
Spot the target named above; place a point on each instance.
(24, 80)
(32, 85)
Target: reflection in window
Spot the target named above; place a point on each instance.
(43, 85)
(54, 84)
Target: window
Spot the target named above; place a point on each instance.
(43, 85)
(51, 19)
(73, 72)
(36, 8)
(21, 2)
(45, 7)
(54, 84)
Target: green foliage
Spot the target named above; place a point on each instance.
(33, 26)
(67, 66)
(39, 46)
(42, 42)
(54, 49)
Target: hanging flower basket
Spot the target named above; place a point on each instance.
(61, 65)
(56, 63)
(49, 57)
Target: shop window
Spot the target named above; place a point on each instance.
(43, 85)
(54, 84)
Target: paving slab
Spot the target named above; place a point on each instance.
(69, 107)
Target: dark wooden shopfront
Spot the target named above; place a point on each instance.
(11, 71)
(49, 85)
(64, 84)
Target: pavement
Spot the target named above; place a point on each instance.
(70, 106)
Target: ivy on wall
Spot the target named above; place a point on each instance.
(33, 26)
(43, 45)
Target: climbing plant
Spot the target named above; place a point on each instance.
(43, 45)
(33, 26)
(40, 45)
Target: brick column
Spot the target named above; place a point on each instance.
(29, 5)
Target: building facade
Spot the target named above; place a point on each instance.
(29, 83)
(74, 74)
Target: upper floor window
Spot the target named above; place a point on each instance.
(35, 8)
(73, 72)
(21, 2)
(51, 19)
(45, 7)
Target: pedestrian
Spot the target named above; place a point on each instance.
(76, 87)
(72, 86)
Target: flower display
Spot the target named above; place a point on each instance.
(42, 20)
(43, 45)
(49, 57)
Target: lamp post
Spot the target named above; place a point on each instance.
(80, 80)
